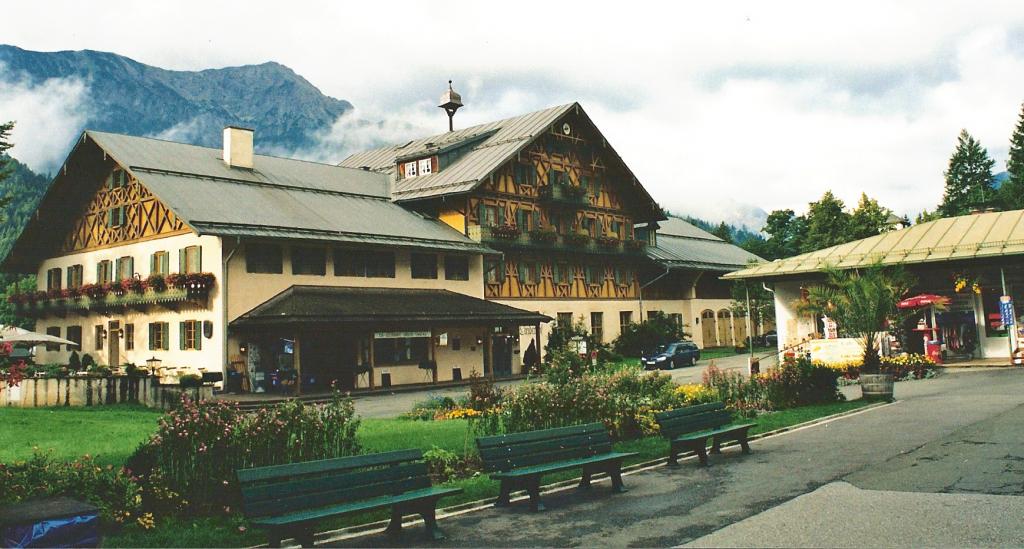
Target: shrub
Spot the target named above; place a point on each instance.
(88, 362)
(198, 447)
(444, 465)
(74, 362)
(190, 380)
(624, 401)
(563, 334)
(110, 489)
(483, 393)
(430, 408)
(640, 337)
(795, 382)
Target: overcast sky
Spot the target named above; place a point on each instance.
(717, 107)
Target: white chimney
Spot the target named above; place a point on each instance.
(238, 147)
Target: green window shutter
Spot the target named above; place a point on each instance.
(131, 267)
(153, 267)
(181, 335)
(152, 340)
(165, 263)
(199, 337)
(118, 270)
(199, 259)
(99, 272)
(181, 260)
(165, 329)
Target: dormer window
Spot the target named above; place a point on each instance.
(423, 166)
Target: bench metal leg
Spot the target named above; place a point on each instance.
(305, 536)
(585, 481)
(716, 445)
(395, 526)
(503, 495)
(701, 447)
(615, 472)
(429, 513)
(743, 442)
(274, 539)
(673, 455)
(533, 488)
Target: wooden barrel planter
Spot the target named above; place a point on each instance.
(876, 386)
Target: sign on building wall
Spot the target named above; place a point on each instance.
(400, 335)
(1006, 310)
(831, 328)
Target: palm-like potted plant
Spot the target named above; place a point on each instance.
(862, 302)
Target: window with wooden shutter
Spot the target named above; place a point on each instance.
(158, 332)
(74, 276)
(125, 268)
(104, 271)
(55, 332)
(190, 259)
(160, 263)
(190, 335)
(53, 278)
(129, 337)
(98, 336)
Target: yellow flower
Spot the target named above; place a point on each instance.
(146, 521)
(692, 392)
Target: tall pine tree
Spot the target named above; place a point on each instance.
(1011, 194)
(968, 178)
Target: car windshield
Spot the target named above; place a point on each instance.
(669, 349)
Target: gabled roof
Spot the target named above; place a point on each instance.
(334, 304)
(967, 237)
(682, 244)
(491, 146)
(278, 198)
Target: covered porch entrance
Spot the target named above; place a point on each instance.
(310, 338)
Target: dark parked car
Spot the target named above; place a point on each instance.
(680, 353)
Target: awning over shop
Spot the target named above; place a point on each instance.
(375, 306)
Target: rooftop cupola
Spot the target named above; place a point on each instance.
(238, 147)
(450, 102)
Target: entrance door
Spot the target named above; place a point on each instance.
(723, 328)
(327, 356)
(707, 328)
(114, 343)
(501, 348)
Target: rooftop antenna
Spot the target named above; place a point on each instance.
(450, 102)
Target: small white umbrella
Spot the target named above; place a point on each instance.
(20, 336)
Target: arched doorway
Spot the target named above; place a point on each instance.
(739, 328)
(707, 328)
(724, 328)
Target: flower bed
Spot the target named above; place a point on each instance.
(902, 367)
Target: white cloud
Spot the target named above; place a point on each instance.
(48, 115)
(715, 106)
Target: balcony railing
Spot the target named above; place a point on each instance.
(192, 289)
(564, 195)
(510, 237)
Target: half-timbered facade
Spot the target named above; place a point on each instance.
(577, 231)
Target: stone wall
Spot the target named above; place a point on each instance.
(92, 391)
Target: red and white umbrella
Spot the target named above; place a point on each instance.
(923, 300)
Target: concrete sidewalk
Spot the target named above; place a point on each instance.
(842, 515)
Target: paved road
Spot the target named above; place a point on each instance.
(390, 405)
(958, 433)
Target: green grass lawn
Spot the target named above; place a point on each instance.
(723, 352)
(113, 433)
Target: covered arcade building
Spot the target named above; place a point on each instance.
(974, 261)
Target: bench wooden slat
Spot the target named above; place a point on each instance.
(253, 495)
(696, 423)
(299, 501)
(511, 451)
(357, 506)
(533, 436)
(732, 428)
(689, 410)
(547, 457)
(562, 465)
(327, 465)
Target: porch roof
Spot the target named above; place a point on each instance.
(370, 306)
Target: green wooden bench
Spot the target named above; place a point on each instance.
(519, 460)
(690, 428)
(288, 500)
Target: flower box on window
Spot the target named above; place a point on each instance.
(506, 232)
(578, 239)
(607, 241)
(544, 235)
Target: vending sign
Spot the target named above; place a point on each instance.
(1006, 310)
